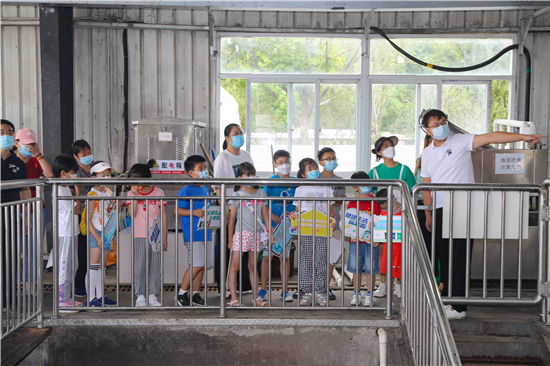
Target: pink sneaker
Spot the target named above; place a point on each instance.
(67, 306)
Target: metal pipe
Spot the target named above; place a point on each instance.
(55, 250)
(451, 248)
(39, 280)
(176, 274)
(468, 249)
(190, 252)
(147, 244)
(162, 218)
(389, 251)
(313, 253)
(223, 234)
(502, 238)
(485, 221)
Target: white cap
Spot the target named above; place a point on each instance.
(100, 167)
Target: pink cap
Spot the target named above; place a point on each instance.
(26, 136)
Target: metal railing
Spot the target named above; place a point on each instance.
(21, 264)
(430, 334)
(422, 309)
(488, 213)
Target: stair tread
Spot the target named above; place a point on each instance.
(492, 338)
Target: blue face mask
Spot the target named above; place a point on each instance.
(441, 132)
(87, 160)
(331, 165)
(366, 190)
(238, 141)
(314, 174)
(6, 142)
(203, 174)
(25, 151)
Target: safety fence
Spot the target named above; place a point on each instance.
(143, 263)
(21, 264)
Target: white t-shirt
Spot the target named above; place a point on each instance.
(311, 191)
(109, 207)
(66, 208)
(225, 166)
(449, 163)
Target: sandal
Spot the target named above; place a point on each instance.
(234, 303)
(260, 302)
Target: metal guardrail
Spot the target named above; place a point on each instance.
(21, 264)
(490, 192)
(431, 337)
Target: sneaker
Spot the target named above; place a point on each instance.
(397, 291)
(295, 295)
(80, 292)
(262, 294)
(392, 309)
(381, 291)
(331, 295)
(183, 300)
(453, 314)
(108, 301)
(356, 298)
(140, 300)
(197, 299)
(322, 300)
(306, 300)
(94, 303)
(153, 301)
(67, 306)
(247, 291)
(366, 300)
(288, 297)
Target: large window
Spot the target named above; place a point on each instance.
(305, 93)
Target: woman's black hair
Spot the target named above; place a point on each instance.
(360, 175)
(94, 163)
(227, 131)
(245, 168)
(299, 174)
(140, 171)
(303, 163)
(79, 146)
(65, 163)
(323, 151)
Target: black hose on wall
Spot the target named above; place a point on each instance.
(473, 67)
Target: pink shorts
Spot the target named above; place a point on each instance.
(248, 242)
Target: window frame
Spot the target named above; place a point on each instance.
(364, 82)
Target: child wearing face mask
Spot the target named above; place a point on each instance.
(195, 166)
(327, 159)
(102, 215)
(147, 235)
(281, 162)
(247, 231)
(65, 166)
(369, 209)
(310, 169)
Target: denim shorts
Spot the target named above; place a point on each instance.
(93, 242)
(364, 258)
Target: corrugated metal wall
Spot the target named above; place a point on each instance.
(171, 71)
(21, 100)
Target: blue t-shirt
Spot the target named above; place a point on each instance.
(280, 191)
(191, 190)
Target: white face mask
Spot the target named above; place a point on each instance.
(73, 176)
(284, 169)
(389, 152)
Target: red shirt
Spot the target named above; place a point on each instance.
(365, 206)
(34, 170)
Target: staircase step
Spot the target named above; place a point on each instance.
(496, 346)
(473, 327)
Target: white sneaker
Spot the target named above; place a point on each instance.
(306, 300)
(381, 291)
(397, 291)
(322, 300)
(453, 314)
(356, 298)
(153, 301)
(366, 300)
(140, 300)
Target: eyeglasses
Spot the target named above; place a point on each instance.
(442, 123)
(282, 162)
(4, 133)
(329, 159)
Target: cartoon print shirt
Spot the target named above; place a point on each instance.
(308, 191)
(140, 221)
(250, 211)
(280, 191)
(108, 208)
